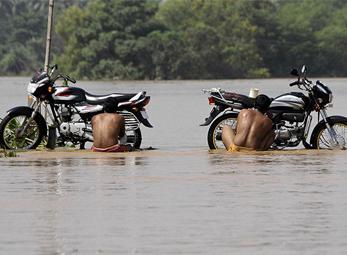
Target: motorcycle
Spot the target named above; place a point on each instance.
(291, 114)
(68, 113)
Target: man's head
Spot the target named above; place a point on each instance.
(262, 103)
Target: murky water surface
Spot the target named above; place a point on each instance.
(179, 199)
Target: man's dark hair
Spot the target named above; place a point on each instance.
(262, 103)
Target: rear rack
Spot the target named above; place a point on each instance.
(235, 100)
(131, 122)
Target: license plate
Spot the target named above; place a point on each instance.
(144, 114)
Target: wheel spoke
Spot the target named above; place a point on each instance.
(217, 133)
(324, 136)
(13, 129)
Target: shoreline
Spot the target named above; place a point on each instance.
(77, 153)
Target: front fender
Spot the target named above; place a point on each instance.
(331, 120)
(22, 109)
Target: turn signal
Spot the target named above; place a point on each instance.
(50, 89)
(30, 100)
(211, 100)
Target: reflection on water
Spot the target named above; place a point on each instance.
(76, 162)
(180, 199)
(165, 202)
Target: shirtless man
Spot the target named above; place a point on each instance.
(107, 127)
(253, 131)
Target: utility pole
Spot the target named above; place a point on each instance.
(49, 34)
(52, 131)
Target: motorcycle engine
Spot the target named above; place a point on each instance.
(285, 135)
(75, 129)
(65, 113)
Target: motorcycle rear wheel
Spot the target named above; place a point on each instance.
(10, 128)
(320, 136)
(134, 138)
(214, 135)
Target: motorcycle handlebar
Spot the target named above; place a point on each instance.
(213, 90)
(294, 83)
(66, 77)
(70, 79)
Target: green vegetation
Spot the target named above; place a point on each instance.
(23, 25)
(176, 39)
(7, 154)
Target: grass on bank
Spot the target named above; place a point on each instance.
(7, 153)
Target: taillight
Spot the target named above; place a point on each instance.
(211, 100)
(146, 101)
(136, 106)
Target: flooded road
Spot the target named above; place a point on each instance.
(180, 198)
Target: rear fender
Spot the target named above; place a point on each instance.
(144, 121)
(138, 96)
(213, 114)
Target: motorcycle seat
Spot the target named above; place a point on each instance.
(102, 99)
(246, 101)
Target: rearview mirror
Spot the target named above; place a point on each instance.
(294, 72)
(303, 69)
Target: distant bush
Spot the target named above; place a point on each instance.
(176, 39)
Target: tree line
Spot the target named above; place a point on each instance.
(176, 39)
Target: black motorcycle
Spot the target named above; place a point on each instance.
(291, 114)
(68, 111)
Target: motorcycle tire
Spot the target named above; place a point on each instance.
(320, 136)
(134, 138)
(32, 137)
(214, 135)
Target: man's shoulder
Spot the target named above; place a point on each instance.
(253, 113)
(249, 111)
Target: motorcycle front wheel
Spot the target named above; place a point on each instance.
(214, 135)
(320, 138)
(11, 135)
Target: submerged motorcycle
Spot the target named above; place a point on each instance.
(68, 112)
(291, 114)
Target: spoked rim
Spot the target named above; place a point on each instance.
(217, 132)
(324, 137)
(134, 138)
(11, 131)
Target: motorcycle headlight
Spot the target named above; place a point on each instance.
(322, 93)
(32, 87)
(330, 97)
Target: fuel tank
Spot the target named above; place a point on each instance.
(290, 106)
(69, 95)
(293, 101)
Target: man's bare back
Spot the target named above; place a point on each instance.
(107, 128)
(253, 131)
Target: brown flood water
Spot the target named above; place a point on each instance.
(180, 198)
